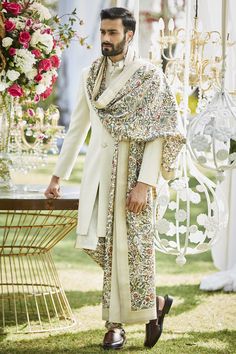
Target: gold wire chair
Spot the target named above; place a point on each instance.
(32, 298)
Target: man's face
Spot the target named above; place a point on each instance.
(114, 40)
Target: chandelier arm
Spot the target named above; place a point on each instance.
(24, 144)
(186, 63)
(224, 41)
(170, 50)
(167, 58)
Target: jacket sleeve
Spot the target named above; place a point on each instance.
(75, 136)
(151, 163)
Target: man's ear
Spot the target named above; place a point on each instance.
(129, 35)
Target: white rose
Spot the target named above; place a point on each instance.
(3, 86)
(47, 79)
(41, 10)
(35, 38)
(58, 51)
(40, 89)
(13, 75)
(24, 60)
(6, 84)
(20, 24)
(7, 42)
(31, 74)
(45, 40)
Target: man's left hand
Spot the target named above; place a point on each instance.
(137, 199)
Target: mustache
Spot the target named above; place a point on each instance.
(107, 43)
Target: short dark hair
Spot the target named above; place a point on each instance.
(125, 15)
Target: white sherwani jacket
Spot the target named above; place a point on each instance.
(94, 192)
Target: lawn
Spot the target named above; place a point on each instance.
(198, 323)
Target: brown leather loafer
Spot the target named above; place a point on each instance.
(154, 327)
(114, 339)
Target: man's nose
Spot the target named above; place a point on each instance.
(106, 37)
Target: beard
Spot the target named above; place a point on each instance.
(113, 49)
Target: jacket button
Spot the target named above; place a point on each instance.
(104, 145)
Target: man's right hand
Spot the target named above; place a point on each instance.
(53, 190)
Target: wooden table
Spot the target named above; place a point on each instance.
(32, 298)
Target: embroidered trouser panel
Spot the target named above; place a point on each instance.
(127, 257)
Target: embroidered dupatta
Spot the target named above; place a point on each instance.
(138, 107)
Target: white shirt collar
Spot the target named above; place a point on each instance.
(112, 67)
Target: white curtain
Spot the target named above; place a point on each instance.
(224, 251)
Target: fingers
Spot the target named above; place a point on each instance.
(135, 207)
(52, 193)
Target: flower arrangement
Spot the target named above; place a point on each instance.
(31, 45)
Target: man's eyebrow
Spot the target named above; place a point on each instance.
(109, 30)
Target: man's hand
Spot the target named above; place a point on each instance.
(137, 199)
(53, 190)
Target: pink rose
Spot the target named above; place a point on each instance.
(12, 7)
(55, 61)
(54, 79)
(9, 25)
(36, 53)
(47, 30)
(54, 43)
(46, 93)
(38, 78)
(12, 51)
(29, 22)
(15, 90)
(36, 98)
(24, 38)
(45, 65)
(30, 112)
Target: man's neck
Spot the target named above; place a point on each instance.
(119, 57)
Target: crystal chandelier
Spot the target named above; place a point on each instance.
(204, 69)
(212, 133)
(190, 214)
(27, 134)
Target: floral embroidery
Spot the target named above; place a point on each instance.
(143, 110)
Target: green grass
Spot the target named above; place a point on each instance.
(220, 342)
(199, 322)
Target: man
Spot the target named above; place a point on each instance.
(133, 120)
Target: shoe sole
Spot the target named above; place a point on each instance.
(107, 347)
(166, 307)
